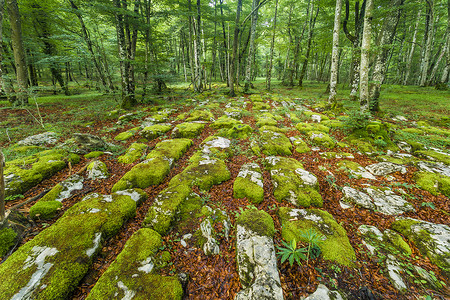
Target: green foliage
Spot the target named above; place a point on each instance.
(357, 120)
(428, 204)
(291, 252)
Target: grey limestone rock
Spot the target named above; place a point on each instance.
(43, 139)
(385, 168)
(323, 293)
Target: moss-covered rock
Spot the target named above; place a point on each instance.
(261, 106)
(266, 119)
(333, 123)
(225, 122)
(354, 169)
(154, 131)
(51, 265)
(239, 131)
(134, 273)
(171, 150)
(321, 139)
(97, 170)
(433, 183)
(431, 239)
(307, 127)
(274, 143)
(165, 207)
(188, 130)
(434, 155)
(233, 112)
(24, 173)
(94, 154)
(257, 221)
(299, 144)
(334, 155)
(134, 153)
(293, 183)
(45, 209)
(158, 118)
(200, 115)
(317, 117)
(214, 147)
(249, 183)
(388, 242)
(123, 136)
(334, 247)
(7, 239)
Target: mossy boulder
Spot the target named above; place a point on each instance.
(434, 155)
(213, 146)
(123, 136)
(200, 115)
(261, 106)
(134, 153)
(274, 143)
(266, 119)
(333, 123)
(334, 247)
(154, 131)
(249, 183)
(94, 154)
(239, 131)
(7, 240)
(292, 182)
(433, 183)
(387, 242)
(171, 150)
(377, 134)
(307, 127)
(273, 128)
(431, 239)
(225, 122)
(134, 273)
(158, 118)
(257, 221)
(300, 145)
(317, 117)
(97, 170)
(321, 139)
(354, 169)
(233, 112)
(52, 264)
(23, 173)
(45, 209)
(188, 130)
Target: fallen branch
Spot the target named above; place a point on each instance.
(42, 194)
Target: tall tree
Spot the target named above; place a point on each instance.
(413, 47)
(386, 37)
(251, 51)
(19, 53)
(312, 23)
(365, 56)
(235, 50)
(428, 39)
(272, 44)
(335, 53)
(445, 74)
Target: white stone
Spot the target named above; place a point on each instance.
(146, 265)
(45, 138)
(73, 183)
(323, 293)
(385, 168)
(91, 251)
(129, 294)
(394, 272)
(307, 177)
(134, 195)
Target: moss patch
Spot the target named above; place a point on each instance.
(7, 238)
(300, 145)
(225, 122)
(134, 152)
(249, 184)
(257, 221)
(135, 272)
(152, 132)
(336, 247)
(94, 154)
(306, 127)
(435, 156)
(321, 139)
(188, 130)
(123, 136)
(433, 183)
(170, 149)
(45, 209)
(274, 143)
(266, 119)
(200, 115)
(240, 131)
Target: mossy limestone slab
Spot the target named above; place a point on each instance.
(123, 136)
(292, 182)
(134, 273)
(433, 240)
(225, 122)
(134, 153)
(249, 183)
(435, 155)
(239, 131)
(97, 170)
(335, 245)
(200, 115)
(24, 173)
(275, 143)
(188, 130)
(154, 131)
(321, 139)
(306, 127)
(300, 145)
(51, 265)
(433, 183)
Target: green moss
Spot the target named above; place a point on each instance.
(27, 149)
(152, 132)
(397, 242)
(257, 221)
(240, 131)
(413, 130)
(348, 165)
(362, 145)
(435, 155)
(266, 119)
(134, 152)
(198, 115)
(244, 187)
(94, 154)
(29, 171)
(127, 134)
(300, 145)
(53, 194)
(333, 155)
(310, 113)
(158, 118)
(433, 183)
(225, 122)
(189, 211)
(321, 139)
(165, 207)
(274, 143)
(71, 244)
(273, 128)
(261, 106)
(140, 250)
(188, 130)
(306, 127)
(7, 238)
(336, 247)
(404, 225)
(333, 123)
(171, 149)
(45, 209)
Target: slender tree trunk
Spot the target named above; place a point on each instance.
(19, 52)
(286, 80)
(386, 39)
(364, 66)
(2, 187)
(235, 49)
(272, 44)
(446, 72)
(428, 43)
(436, 65)
(251, 51)
(308, 47)
(413, 47)
(335, 54)
(2, 7)
(147, 33)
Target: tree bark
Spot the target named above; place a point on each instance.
(2, 187)
(272, 44)
(445, 74)
(335, 54)
(386, 38)
(413, 47)
(2, 7)
(308, 47)
(235, 49)
(428, 42)
(19, 53)
(248, 71)
(364, 66)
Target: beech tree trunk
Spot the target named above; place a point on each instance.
(312, 23)
(2, 187)
(413, 47)
(251, 50)
(364, 66)
(446, 72)
(335, 53)
(19, 53)
(272, 44)
(235, 50)
(428, 42)
(386, 38)
(2, 7)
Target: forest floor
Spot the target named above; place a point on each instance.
(217, 276)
